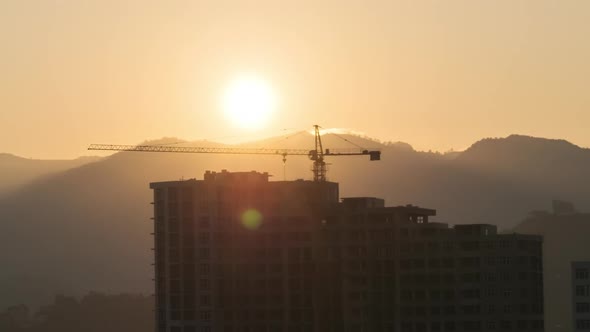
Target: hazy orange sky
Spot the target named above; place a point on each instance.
(436, 74)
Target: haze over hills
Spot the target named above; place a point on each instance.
(17, 171)
(87, 228)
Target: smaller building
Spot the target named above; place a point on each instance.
(581, 295)
(469, 278)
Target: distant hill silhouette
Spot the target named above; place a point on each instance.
(545, 162)
(87, 228)
(17, 171)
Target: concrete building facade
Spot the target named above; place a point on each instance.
(581, 296)
(469, 278)
(235, 252)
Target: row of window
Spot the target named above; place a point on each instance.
(252, 269)
(436, 246)
(474, 309)
(292, 284)
(224, 239)
(505, 276)
(247, 328)
(505, 325)
(188, 273)
(471, 262)
(356, 235)
(294, 315)
(449, 294)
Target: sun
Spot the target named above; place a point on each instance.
(249, 101)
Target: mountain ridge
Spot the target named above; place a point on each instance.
(16, 171)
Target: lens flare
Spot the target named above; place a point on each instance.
(251, 219)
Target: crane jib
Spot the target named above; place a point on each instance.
(192, 149)
(316, 155)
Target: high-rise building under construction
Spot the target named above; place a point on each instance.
(235, 252)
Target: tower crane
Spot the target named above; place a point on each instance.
(316, 155)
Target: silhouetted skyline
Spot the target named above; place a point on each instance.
(496, 181)
(477, 110)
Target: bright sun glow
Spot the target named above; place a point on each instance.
(249, 102)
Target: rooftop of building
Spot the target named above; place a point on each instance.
(226, 176)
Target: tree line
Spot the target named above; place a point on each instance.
(93, 312)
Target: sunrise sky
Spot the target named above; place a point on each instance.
(435, 74)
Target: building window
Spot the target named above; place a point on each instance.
(449, 310)
(490, 292)
(175, 315)
(469, 245)
(418, 263)
(582, 307)
(406, 295)
(449, 326)
(205, 315)
(583, 324)
(205, 300)
(189, 315)
(582, 274)
(471, 326)
(470, 309)
(204, 253)
(490, 276)
(175, 286)
(435, 327)
(204, 222)
(204, 268)
(506, 325)
(471, 277)
(470, 293)
(204, 284)
(175, 271)
(582, 290)
(204, 238)
(470, 262)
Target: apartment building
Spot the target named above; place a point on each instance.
(235, 252)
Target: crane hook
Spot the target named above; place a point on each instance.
(284, 166)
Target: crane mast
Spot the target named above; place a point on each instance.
(317, 155)
(319, 165)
